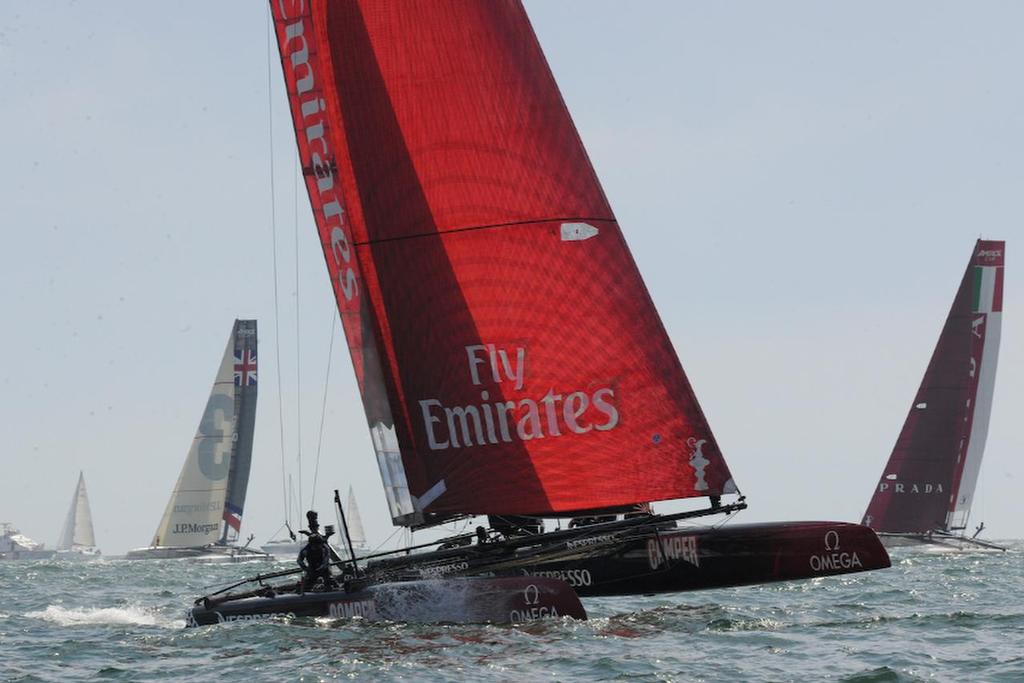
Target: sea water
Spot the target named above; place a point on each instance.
(953, 616)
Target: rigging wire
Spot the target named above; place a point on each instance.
(271, 41)
(323, 407)
(298, 343)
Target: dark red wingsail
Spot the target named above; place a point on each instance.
(508, 353)
(929, 481)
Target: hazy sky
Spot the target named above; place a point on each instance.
(801, 184)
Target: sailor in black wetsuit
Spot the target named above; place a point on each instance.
(315, 557)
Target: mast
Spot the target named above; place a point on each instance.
(928, 483)
(509, 356)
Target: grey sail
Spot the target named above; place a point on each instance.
(204, 513)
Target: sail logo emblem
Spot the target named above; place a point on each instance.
(492, 422)
(245, 368)
(698, 462)
(834, 557)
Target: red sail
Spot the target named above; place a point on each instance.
(929, 480)
(509, 355)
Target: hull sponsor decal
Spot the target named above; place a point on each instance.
(366, 609)
(574, 577)
(665, 549)
(834, 556)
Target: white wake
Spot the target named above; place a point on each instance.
(77, 616)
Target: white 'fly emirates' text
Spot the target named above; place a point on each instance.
(493, 422)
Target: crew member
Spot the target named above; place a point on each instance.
(315, 557)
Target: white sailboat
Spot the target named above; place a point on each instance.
(204, 514)
(77, 538)
(355, 525)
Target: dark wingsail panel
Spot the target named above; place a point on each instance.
(929, 480)
(509, 355)
(245, 377)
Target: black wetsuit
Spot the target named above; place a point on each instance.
(315, 559)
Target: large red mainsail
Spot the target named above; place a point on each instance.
(929, 481)
(509, 356)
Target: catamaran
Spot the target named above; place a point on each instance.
(203, 517)
(77, 539)
(510, 359)
(925, 492)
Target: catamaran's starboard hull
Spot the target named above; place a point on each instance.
(200, 554)
(459, 600)
(666, 560)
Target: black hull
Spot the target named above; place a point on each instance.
(488, 582)
(459, 600)
(668, 560)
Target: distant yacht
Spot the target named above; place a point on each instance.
(925, 492)
(16, 546)
(77, 540)
(204, 515)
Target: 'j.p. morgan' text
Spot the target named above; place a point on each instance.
(190, 528)
(491, 422)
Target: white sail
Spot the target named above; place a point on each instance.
(78, 531)
(355, 522)
(196, 508)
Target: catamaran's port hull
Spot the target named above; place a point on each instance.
(200, 553)
(672, 559)
(938, 542)
(458, 600)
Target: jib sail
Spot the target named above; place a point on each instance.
(509, 356)
(929, 481)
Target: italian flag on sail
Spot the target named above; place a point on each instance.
(988, 289)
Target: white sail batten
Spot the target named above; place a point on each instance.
(195, 510)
